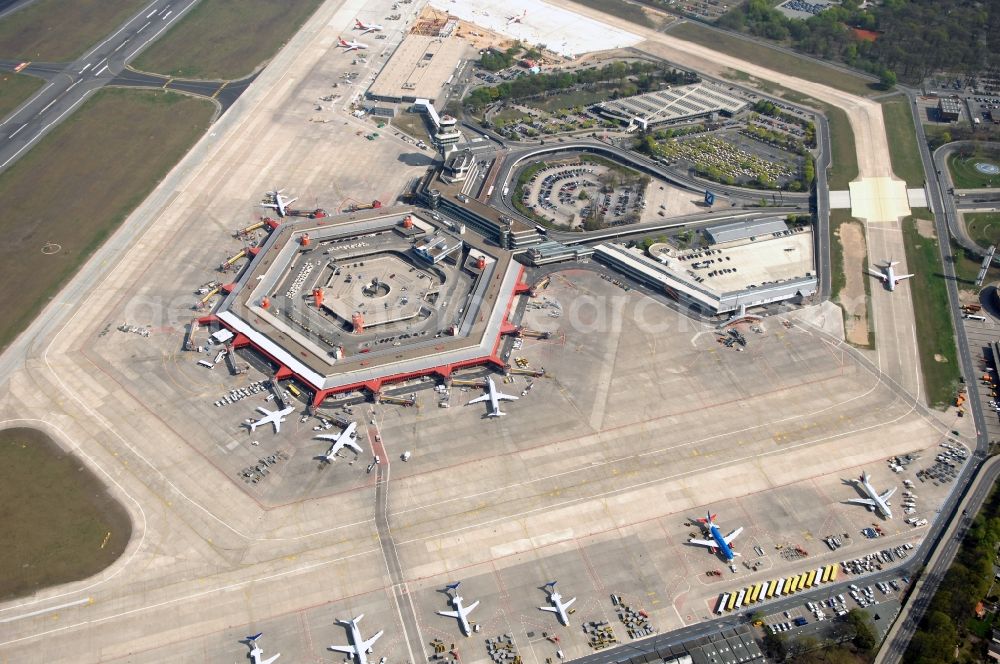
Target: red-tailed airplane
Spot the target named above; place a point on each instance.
(366, 27)
(351, 45)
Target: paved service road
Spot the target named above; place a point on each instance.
(68, 87)
(400, 591)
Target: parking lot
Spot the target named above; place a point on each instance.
(569, 193)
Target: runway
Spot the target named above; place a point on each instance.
(71, 84)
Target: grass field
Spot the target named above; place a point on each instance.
(843, 155)
(935, 334)
(983, 227)
(225, 39)
(837, 217)
(58, 521)
(412, 124)
(57, 30)
(966, 266)
(965, 175)
(765, 56)
(79, 183)
(569, 99)
(903, 148)
(626, 10)
(14, 89)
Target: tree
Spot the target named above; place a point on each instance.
(774, 647)
(864, 632)
(887, 79)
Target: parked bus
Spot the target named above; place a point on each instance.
(827, 572)
(294, 390)
(731, 604)
(740, 598)
(833, 576)
(779, 587)
(721, 606)
(755, 595)
(811, 579)
(772, 586)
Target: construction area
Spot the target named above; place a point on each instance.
(565, 33)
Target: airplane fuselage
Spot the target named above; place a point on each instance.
(720, 542)
(556, 600)
(463, 621)
(881, 506)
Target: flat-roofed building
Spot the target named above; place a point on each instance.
(420, 67)
(742, 230)
(949, 110)
(676, 104)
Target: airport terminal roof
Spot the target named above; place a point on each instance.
(419, 68)
(676, 103)
(742, 230)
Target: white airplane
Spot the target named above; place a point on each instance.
(494, 398)
(359, 648)
(875, 501)
(280, 202)
(888, 275)
(460, 612)
(275, 417)
(346, 438)
(352, 45)
(367, 27)
(517, 18)
(558, 606)
(256, 653)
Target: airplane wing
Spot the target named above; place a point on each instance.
(505, 397)
(567, 603)
(485, 397)
(347, 650)
(367, 645)
(701, 542)
(548, 608)
(448, 614)
(888, 493)
(733, 535)
(876, 273)
(466, 610)
(354, 446)
(900, 277)
(862, 501)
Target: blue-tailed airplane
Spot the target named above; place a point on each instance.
(460, 612)
(359, 647)
(256, 654)
(718, 542)
(558, 606)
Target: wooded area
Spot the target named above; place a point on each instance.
(631, 77)
(908, 38)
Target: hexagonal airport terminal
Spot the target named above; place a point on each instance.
(362, 299)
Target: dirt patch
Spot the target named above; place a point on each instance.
(925, 228)
(940, 358)
(852, 297)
